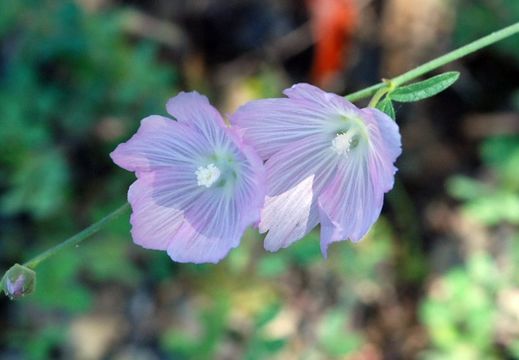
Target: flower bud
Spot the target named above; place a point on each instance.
(18, 281)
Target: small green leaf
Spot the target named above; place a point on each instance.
(424, 89)
(386, 106)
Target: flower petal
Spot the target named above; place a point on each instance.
(159, 142)
(386, 145)
(352, 201)
(194, 110)
(157, 199)
(171, 212)
(294, 176)
(331, 102)
(212, 227)
(270, 124)
(349, 205)
(289, 216)
(215, 221)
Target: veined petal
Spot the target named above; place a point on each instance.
(211, 228)
(295, 176)
(209, 231)
(270, 124)
(289, 216)
(352, 201)
(216, 220)
(331, 102)
(171, 212)
(349, 205)
(159, 142)
(298, 160)
(158, 200)
(386, 146)
(250, 188)
(194, 110)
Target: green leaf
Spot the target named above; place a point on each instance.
(386, 106)
(424, 89)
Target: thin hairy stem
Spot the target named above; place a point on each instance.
(76, 239)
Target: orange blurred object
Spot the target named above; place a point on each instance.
(333, 23)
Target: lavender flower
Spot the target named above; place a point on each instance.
(198, 185)
(327, 162)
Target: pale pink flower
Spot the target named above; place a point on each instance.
(327, 162)
(198, 185)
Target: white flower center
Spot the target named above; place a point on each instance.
(343, 143)
(207, 176)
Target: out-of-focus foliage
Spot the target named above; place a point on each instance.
(460, 312)
(71, 86)
(495, 200)
(477, 18)
(247, 296)
(472, 308)
(63, 74)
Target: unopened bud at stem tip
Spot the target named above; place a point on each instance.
(18, 281)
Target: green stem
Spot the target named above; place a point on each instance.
(76, 239)
(378, 95)
(438, 62)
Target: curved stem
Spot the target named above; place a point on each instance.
(76, 239)
(378, 95)
(440, 61)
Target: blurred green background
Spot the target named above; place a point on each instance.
(436, 278)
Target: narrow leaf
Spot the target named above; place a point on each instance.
(424, 89)
(386, 106)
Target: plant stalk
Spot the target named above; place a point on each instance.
(438, 62)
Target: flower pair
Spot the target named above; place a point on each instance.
(285, 164)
